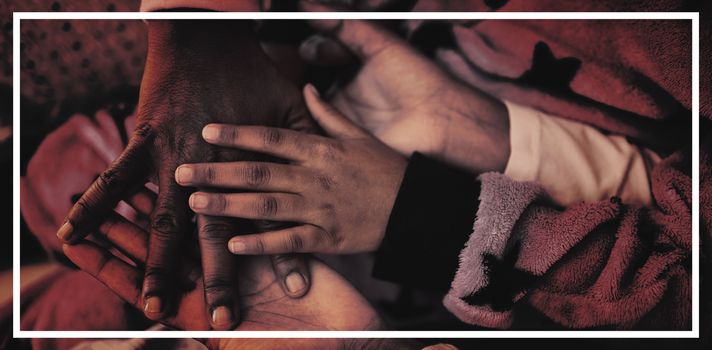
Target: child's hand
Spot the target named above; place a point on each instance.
(340, 191)
(406, 100)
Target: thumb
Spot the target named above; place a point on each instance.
(364, 39)
(329, 118)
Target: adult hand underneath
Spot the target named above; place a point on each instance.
(196, 72)
(331, 303)
(340, 190)
(406, 100)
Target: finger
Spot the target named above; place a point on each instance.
(106, 191)
(126, 236)
(331, 120)
(298, 239)
(364, 39)
(292, 271)
(321, 50)
(243, 175)
(169, 226)
(277, 142)
(142, 201)
(122, 278)
(255, 206)
(218, 271)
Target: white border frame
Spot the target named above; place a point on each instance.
(693, 16)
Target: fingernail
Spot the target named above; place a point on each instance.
(211, 133)
(222, 316)
(198, 201)
(237, 247)
(65, 231)
(295, 282)
(184, 174)
(314, 90)
(153, 305)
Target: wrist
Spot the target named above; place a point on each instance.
(477, 135)
(178, 38)
(200, 63)
(202, 50)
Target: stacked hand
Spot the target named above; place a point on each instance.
(339, 190)
(197, 72)
(331, 304)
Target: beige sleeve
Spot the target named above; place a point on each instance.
(576, 162)
(214, 5)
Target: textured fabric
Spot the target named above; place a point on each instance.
(68, 63)
(600, 264)
(575, 162)
(74, 300)
(628, 77)
(50, 187)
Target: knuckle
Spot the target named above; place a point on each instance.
(143, 131)
(332, 238)
(327, 150)
(102, 263)
(82, 207)
(107, 179)
(331, 110)
(156, 275)
(267, 206)
(209, 174)
(218, 202)
(294, 243)
(324, 182)
(216, 284)
(215, 230)
(259, 246)
(327, 210)
(257, 175)
(322, 149)
(166, 223)
(226, 134)
(272, 137)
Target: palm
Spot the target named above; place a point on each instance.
(266, 307)
(399, 94)
(331, 303)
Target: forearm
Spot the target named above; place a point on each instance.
(201, 40)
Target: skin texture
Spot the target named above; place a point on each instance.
(406, 100)
(119, 259)
(197, 72)
(339, 191)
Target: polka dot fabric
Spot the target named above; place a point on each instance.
(64, 60)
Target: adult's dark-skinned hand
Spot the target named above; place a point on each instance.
(197, 72)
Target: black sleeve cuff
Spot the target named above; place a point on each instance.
(431, 220)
